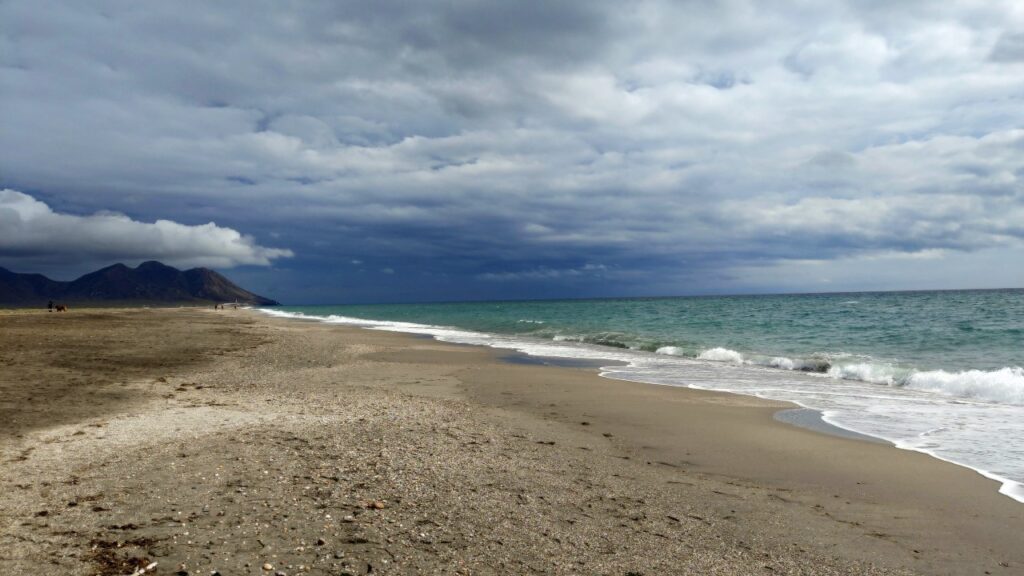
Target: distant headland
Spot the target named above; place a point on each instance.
(150, 283)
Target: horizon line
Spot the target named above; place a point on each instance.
(660, 297)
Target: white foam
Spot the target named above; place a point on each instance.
(670, 351)
(866, 372)
(782, 362)
(1005, 385)
(722, 355)
(283, 314)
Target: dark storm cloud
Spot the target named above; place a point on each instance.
(484, 149)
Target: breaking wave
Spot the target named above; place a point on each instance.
(721, 355)
(1005, 385)
(1002, 386)
(781, 362)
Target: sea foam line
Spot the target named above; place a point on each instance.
(1003, 386)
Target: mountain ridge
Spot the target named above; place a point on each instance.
(150, 282)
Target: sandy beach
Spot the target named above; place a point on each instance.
(229, 442)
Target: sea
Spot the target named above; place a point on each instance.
(938, 372)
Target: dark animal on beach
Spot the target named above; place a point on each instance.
(61, 308)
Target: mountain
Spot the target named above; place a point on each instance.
(25, 287)
(150, 282)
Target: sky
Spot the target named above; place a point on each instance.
(336, 151)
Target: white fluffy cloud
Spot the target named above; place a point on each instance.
(31, 231)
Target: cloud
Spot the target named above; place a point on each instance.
(1009, 48)
(545, 273)
(31, 231)
(682, 144)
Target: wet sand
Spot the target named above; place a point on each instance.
(227, 441)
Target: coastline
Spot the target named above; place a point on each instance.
(714, 374)
(814, 420)
(500, 466)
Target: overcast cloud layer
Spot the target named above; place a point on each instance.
(444, 150)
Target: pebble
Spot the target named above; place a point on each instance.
(268, 566)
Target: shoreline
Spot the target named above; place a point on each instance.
(229, 440)
(821, 422)
(797, 415)
(814, 420)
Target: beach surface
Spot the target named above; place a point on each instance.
(229, 442)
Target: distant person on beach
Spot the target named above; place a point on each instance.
(49, 306)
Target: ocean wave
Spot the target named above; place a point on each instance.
(610, 339)
(721, 355)
(865, 372)
(1004, 386)
(780, 362)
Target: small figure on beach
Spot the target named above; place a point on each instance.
(49, 306)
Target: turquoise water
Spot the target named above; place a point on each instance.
(955, 330)
(938, 372)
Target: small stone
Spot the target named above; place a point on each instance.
(268, 566)
(320, 542)
(339, 555)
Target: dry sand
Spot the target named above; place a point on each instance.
(229, 442)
